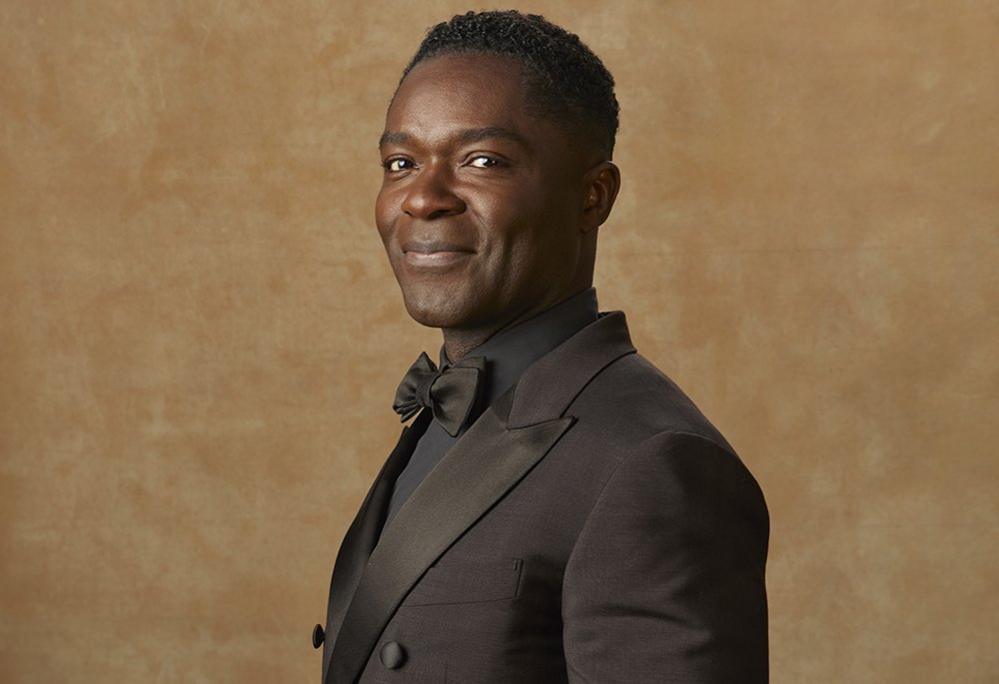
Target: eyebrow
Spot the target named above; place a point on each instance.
(464, 137)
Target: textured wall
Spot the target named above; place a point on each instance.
(193, 288)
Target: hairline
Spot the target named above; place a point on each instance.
(569, 122)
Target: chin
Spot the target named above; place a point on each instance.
(433, 308)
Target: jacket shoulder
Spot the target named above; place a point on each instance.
(633, 400)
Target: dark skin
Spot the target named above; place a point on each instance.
(516, 198)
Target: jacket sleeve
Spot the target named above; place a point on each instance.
(665, 582)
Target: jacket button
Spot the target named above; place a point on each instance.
(393, 655)
(318, 636)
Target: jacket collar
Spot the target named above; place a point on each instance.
(512, 350)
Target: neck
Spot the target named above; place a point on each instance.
(459, 341)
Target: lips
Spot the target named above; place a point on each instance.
(434, 255)
(431, 246)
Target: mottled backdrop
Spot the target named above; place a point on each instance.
(200, 337)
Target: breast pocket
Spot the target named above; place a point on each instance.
(454, 579)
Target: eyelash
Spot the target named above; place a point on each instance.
(495, 162)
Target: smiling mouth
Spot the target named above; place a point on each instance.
(441, 259)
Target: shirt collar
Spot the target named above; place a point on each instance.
(509, 352)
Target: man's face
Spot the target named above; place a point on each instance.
(492, 192)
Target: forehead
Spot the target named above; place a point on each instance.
(458, 91)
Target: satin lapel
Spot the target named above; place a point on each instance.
(477, 470)
(363, 533)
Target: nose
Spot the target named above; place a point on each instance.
(430, 195)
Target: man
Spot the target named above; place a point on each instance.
(559, 510)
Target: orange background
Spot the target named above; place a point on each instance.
(201, 336)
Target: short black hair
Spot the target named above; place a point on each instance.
(565, 81)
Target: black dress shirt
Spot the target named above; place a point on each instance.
(508, 353)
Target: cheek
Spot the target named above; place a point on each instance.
(384, 215)
(513, 214)
(542, 242)
(509, 232)
(521, 250)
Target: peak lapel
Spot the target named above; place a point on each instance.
(550, 384)
(477, 470)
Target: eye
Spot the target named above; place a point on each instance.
(492, 161)
(392, 164)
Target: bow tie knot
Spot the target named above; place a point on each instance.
(449, 392)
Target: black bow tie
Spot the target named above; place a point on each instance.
(450, 393)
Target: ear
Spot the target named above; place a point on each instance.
(602, 183)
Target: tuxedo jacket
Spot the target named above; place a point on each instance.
(590, 526)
